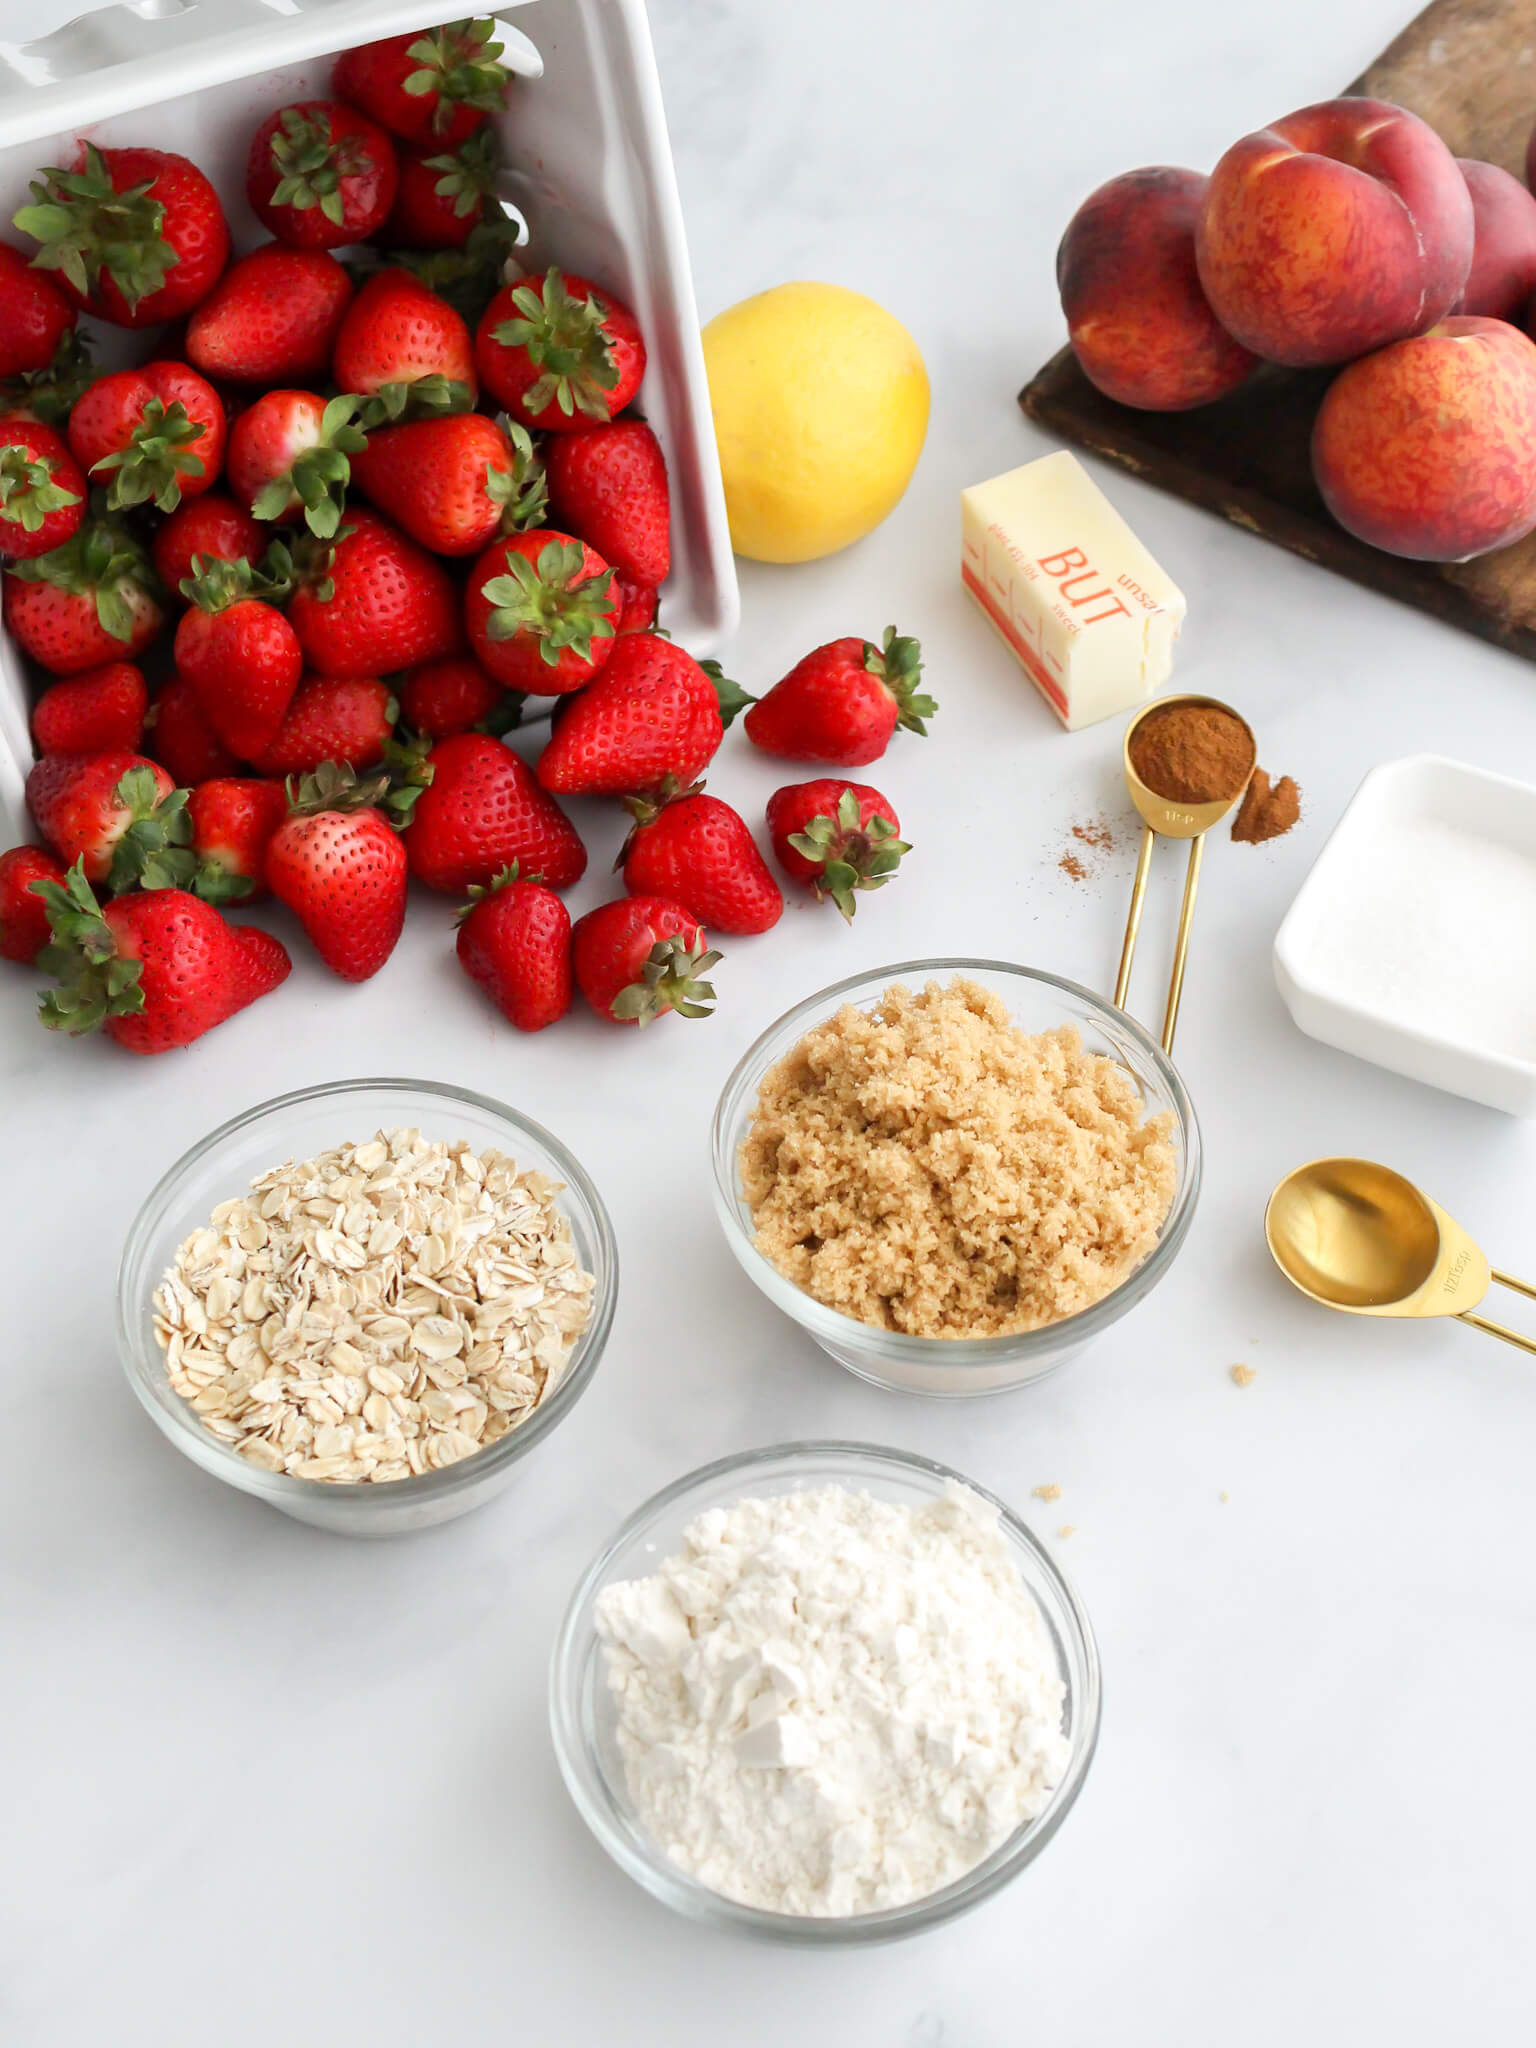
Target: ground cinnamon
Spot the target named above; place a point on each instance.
(1192, 753)
(1267, 809)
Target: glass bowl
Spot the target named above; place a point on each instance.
(583, 1720)
(957, 1367)
(298, 1126)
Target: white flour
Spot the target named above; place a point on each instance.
(830, 1704)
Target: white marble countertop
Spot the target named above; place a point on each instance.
(264, 1784)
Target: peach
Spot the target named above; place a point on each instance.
(1341, 228)
(1503, 273)
(1428, 447)
(1139, 323)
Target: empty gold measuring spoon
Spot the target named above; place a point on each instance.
(1358, 1237)
(1161, 817)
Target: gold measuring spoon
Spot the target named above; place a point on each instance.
(1358, 1237)
(1161, 817)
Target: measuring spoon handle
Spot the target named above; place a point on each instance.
(1498, 1329)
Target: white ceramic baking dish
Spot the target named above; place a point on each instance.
(1391, 1028)
(590, 168)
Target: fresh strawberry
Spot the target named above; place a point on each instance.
(239, 653)
(92, 600)
(23, 914)
(179, 736)
(843, 702)
(697, 851)
(289, 458)
(49, 395)
(134, 236)
(540, 611)
(232, 818)
(637, 604)
(469, 278)
(95, 713)
(343, 718)
(42, 490)
(609, 484)
(442, 698)
(406, 348)
(483, 810)
(560, 354)
(153, 970)
(435, 85)
(272, 318)
(118, 814)
(320, 175)
(453, 482)
(442, 195)
(651, 713)
(515, 941)
(638, 958)
(214, 526)
(835, 837)
(35, 316)
(154, 436)
(338, 864)
(375, 602)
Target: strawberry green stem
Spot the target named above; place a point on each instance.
(545, 600)
(564, 338)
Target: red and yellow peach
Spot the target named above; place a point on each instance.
(1503, 273)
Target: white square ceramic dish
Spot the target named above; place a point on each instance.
(1435, 983)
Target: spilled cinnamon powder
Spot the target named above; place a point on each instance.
(1096, 836)
(1267, 810)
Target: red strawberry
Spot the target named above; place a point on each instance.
(153, 970)
(376, 603)
(652, 712)
(272, 318)
(23, 914)
(232, 818)
(442, 194)
(433, 85)
(89, 601)
(93, 713)
(181, 739)
(338, 864)
(541, 611)
(640, 957)
(609, 484)
(289, 458)
(117, 814)
(835, 837)
(48, 395)
(214, 526)
(843, 702)
(483, 810)
(637, 604)
(35, 316)
(320, 175)
(240, 655)
(515, 940)
(343, 718)
(134, 236)
(403, 345)
(42, 490)
(454, 481)
(560, 354)
(154, 436)
(697, 851)
(442, 698)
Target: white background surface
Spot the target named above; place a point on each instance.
(264, 1784)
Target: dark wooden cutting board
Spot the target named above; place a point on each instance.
(1469, 68)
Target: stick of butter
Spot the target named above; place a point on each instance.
(1070, 588)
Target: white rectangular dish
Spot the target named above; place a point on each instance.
(1412, 942)
(588, 165)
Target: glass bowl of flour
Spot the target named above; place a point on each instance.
(824, 1694)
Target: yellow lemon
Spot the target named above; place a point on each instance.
(821, 404)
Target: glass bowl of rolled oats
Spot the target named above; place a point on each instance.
(365, 1302)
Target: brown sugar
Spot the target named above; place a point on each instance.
(1192, 753)
(1266, 810)
(927, 1166)
(1243, 1375)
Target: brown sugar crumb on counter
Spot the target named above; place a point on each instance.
(1067, 1529)
(1047, 1493)
(1243, 1375)
(929, 1167)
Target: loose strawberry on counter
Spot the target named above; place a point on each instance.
(92, 600)
(693, 848)
(289, 458)
(338, 864)
(23, 914)
(541, 612)
(843, 702)
(239, 653)
(402, 345)
(349, 719)
(154, 435)
(835, 837)
(432, 86)
(233, 818)
(651, 713)
(442, 698)
(178, 735)
(153, 970)
(117, 814)
(561, 354)
(134, 236)
(515, 941)
(483, 810)
(273, 317)
(94, 713)
(609, 484)
(35, 316)
(454, 481)
(636, 959)
(42, 490)
(212, 525)
(374, 602)
(320, 175)
(441, 197)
